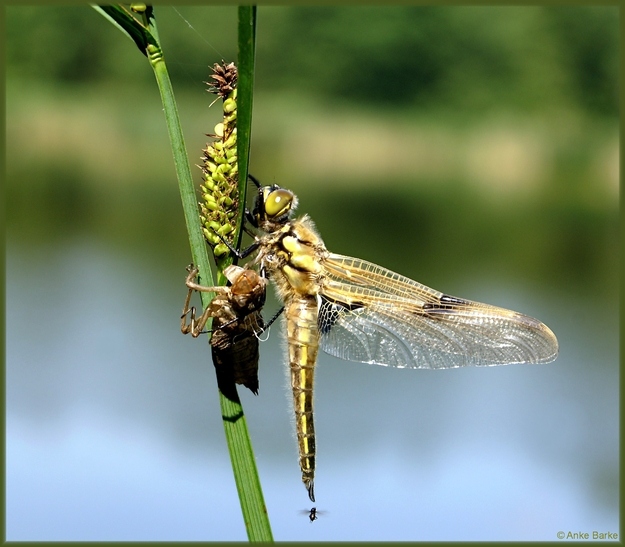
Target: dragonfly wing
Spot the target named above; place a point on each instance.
(358, 335)
(372, 315)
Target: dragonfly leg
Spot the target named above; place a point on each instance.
(239, 254)
(254, 180)
(196, 324)
(273, 319)
(193, 286)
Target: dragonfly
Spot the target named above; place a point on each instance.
(237, 323)
(359, 311)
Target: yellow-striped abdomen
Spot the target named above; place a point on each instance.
(303, 343)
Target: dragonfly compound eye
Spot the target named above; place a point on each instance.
(278, 203)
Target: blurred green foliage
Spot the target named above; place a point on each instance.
(511, 112)
(430, 57)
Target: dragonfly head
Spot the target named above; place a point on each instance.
(273, 207)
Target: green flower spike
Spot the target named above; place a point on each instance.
(220, 199)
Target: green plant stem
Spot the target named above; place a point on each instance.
(235, 426)
(243, 463)
(237, 436)
(181, 162)
(247, 51)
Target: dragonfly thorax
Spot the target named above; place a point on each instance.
(292, 257)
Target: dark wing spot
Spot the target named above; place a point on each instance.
(330, 312)
(444, 303)
(446, 299)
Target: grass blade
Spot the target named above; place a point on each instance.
(145, 36)
(243, 462)
(247, 50)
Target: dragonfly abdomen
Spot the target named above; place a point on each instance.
(303, 344)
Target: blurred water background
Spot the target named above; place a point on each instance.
(474, 149)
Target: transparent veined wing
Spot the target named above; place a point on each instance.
(372, 315)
